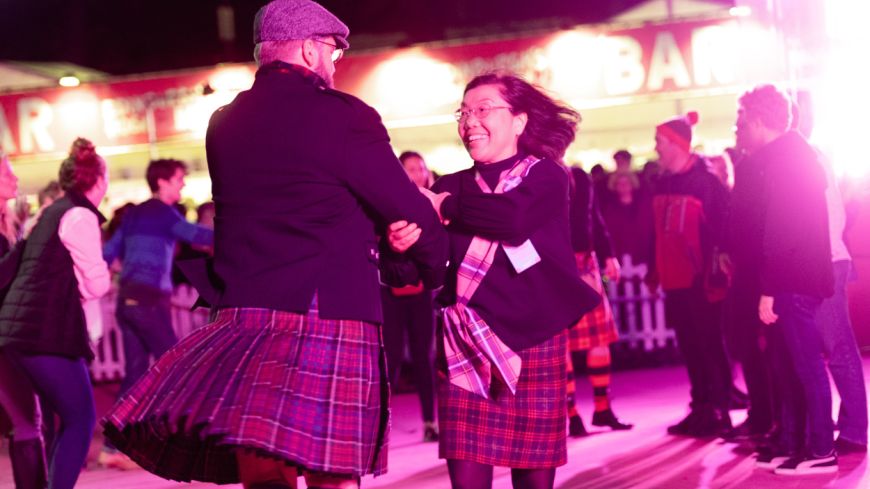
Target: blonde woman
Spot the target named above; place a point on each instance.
(16, 395)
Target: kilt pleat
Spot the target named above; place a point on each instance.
(308, 391)
(526, 430)
(597, 327)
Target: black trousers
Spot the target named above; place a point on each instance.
(411, 317)
(746, 336)
(696, 322)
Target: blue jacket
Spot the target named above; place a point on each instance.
(145, 243)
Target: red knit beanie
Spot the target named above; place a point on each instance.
(679, 129)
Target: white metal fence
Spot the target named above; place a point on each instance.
(639, 314)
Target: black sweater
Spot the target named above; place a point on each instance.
(588, 231)
(527, 308)
(788, 231)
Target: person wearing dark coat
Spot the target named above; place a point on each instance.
(409, 322)
(589, 340)
(786, 241)
(689, 208)
(289, 378)
(20, 413)
(512, 290)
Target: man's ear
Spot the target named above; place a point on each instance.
(309, 53)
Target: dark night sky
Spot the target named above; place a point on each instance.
(134, 36)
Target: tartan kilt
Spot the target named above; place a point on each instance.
(597, 327)
(307, 391)
(526, 430)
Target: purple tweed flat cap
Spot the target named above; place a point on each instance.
(291, 20)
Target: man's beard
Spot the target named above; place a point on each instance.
(324, 73)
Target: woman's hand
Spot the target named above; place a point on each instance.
(401, 235)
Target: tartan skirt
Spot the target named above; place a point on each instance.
(597, 327)
(526, 430)
(307, 391)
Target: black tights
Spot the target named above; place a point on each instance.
(472, 475)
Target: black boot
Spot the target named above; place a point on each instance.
(28, 464)
(711, 422)
(576, 428)
(685, 426)
(607, 418)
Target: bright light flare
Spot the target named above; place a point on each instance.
(447, 159)
(231, 79)
(225, 84)
(575, 60)
(69, 81)
(741, 11)
(77, 108)
(413, 84)
(842, 98)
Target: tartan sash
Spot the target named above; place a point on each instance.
(471, 347)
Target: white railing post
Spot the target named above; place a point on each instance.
(630, 296)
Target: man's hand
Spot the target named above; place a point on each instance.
(765, 310)
(401, 235)
(611, 269)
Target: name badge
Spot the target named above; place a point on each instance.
(522, 257)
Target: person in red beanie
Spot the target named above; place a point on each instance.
(689, 206)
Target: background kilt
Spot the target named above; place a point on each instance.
(522, 431)
(309, 391)
(597, 327)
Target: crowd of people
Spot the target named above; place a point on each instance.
(324, 257)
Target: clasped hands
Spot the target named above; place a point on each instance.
(401, 235)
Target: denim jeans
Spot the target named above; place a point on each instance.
(844, 360)
(788, 407)
(797, 319)
(146, 331)
(66, 385)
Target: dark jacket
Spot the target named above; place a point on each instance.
(779, 224)
(42, 312)
(302, 177)
(588, 230)
(530, 307)
(689, 210)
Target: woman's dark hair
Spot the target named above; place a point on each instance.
(409, 154)
(551, 126)
(80, 171)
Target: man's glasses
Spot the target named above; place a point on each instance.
(337, 52)
(480, 112)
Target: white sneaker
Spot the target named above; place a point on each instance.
(808, 465)
(770, 460)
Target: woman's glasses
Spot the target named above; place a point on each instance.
(480, 112)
